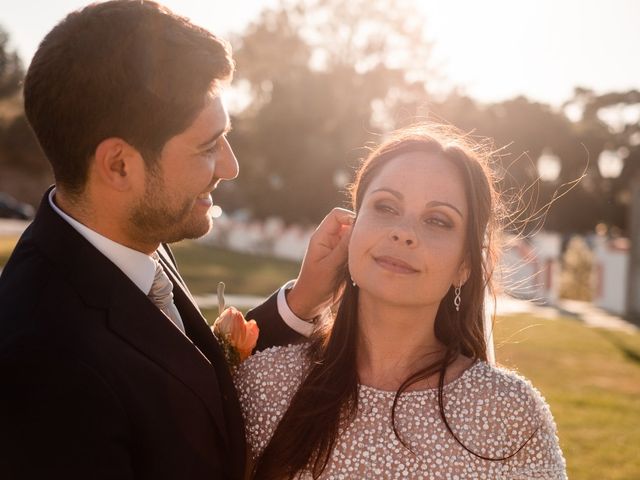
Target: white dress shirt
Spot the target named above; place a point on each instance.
(294, 322)
(140, 267)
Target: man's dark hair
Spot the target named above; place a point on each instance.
(126, 68)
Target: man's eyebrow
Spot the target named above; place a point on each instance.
(432, 203)
(216, 135)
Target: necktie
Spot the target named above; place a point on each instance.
(161, 294)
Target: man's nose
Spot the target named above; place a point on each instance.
(226, 164)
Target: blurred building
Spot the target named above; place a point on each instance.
(611, 265)
(530, 267)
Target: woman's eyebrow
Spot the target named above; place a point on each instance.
(393, 192)
(437, 203)
(432, 203)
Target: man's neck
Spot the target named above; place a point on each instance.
(106, 225)
(74, 209)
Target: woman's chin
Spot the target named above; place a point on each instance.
(393, 297)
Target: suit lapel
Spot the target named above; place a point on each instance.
(137, 321)
(200, 333)
(131, 315)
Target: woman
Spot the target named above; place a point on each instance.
(398, 385)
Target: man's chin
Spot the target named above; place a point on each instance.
(191, 231)
(197, 229)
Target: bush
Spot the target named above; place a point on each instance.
(577, 266)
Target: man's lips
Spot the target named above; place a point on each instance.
(206, 196)
(204, 199)
(394, 264)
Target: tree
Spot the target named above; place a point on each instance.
(11, 70)
(24, 170)
(576, 281)
(611, 122)
(322, 78)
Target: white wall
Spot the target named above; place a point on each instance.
(612, 267)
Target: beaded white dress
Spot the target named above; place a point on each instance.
(492, 410)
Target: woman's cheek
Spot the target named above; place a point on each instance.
(359, 243)
(369, 221)
(355, 242)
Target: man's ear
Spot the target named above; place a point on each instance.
(117, 164)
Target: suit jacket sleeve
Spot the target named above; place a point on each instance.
(60, 420)
(273, 330)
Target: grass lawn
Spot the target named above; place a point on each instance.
(203, 267)
(590, 377)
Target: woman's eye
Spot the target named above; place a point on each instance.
(384, 208)
(438, 222)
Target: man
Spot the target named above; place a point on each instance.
(107, 367)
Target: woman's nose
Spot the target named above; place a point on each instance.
(404, 234)
(407, 241)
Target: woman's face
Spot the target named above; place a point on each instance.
(407, 244)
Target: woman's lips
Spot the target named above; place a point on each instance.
(394, 264)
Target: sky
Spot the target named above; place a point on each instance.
(490, 49)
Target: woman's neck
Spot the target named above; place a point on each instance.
(395, 341)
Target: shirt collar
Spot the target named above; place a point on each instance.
(139, 267)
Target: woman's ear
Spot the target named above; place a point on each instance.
(117, 164)
(463, 273)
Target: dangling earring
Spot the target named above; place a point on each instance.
(457, 301)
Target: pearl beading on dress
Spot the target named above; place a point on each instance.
(492, 410)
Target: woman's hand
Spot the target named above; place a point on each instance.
(326, 254)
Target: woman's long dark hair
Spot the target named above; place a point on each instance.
(327, 398)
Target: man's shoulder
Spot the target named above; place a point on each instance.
(37, 305)
(24, 279)
(24, 258)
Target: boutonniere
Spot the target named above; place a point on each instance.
(236, 336)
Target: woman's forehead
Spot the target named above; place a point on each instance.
(421, 173)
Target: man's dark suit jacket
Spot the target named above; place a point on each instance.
(96, 383)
